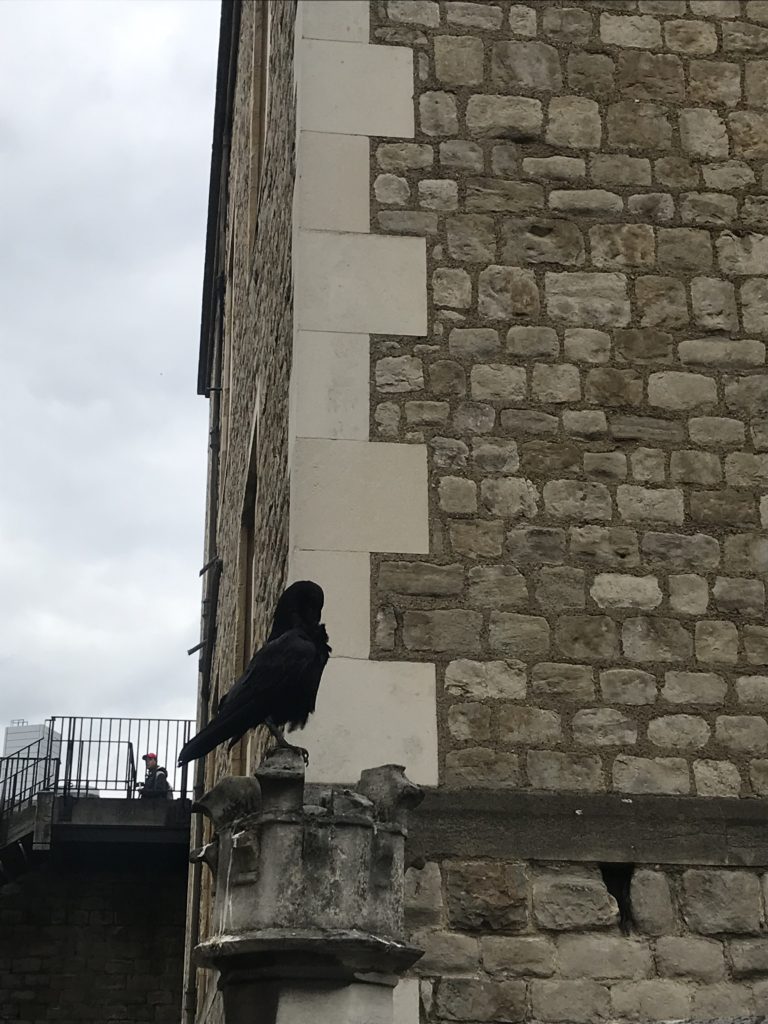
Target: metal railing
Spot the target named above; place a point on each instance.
(89, 756)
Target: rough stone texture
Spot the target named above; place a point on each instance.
(130, 966)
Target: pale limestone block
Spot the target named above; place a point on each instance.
(356, 88)
(343, 20)
(330, 385)
(360, 721)
(342, 497)
(332, 185)
(361, 283)
(345, 576)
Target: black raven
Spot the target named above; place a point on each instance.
(279, 686)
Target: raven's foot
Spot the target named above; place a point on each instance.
(301, 750)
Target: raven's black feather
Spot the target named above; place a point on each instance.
(281, 680)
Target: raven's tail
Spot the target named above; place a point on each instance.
(211, 736)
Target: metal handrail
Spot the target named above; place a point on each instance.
(90, 756)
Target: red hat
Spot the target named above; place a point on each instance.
(149, 757)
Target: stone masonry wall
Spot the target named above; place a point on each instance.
(532, 942)
(96, 937)
(591, 181)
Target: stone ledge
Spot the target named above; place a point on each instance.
(607, 828)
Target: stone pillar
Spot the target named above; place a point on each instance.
(308, 904)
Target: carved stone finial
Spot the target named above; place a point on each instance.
(232, 797)
(391, 792)
(281, 777)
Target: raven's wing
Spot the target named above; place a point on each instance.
(251, 697)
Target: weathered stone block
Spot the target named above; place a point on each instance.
(428, 414)
(746, 553)
(657, 207)
(656, 639)
(403, 156)
(486, 680)
(542, 241)
(684, 250)
(749, 957)
(651, 76)
(580, 1002)
(447, 378)
(607, 386)
(671, 389)
(589, 202)
(603, 957)
(597, 298)
(601, 546)
(522, 636)
(584, 345)
(486, 895)
(563, 682)
(389, 188)
(756, 644)
(651, 775)
(704, 688)
(585, 423)
(714, 304)
(749, 131)
(603, 727)
(678, 552)
(567, 25)
(459, 155)
(615, 246)
(723, 507)
(528, 725)
(474, 418)
(532, 342)
(627, 686)
(474, 15)
(446, 952)
(414, 12)
(591, 73)
(398, 374)
(694, 467)
(437, 113)
(496, 586)
(678, 732)
(739, 596)
(467, 999)
(715, 82)
(651, 901)
(567, 902)
(705, 352)
(727, 176)
(755, 83)
(688, 594)
(550, 770)
(421, 578)
(742, 734)
(716, 778)
(662, 302)
(451, 288)
(587, 637)
(722, 901)
(498, 195)
(752, 689)
(638, 125)
(482, 767)
(524, 956)
(572, 499)
(525, 67)
(459, 60)
(754, 303)
(514, 117)
(716, 431)
(510, 497)
(469, 722)
(456, 495)
(649, 465)
(613, 590)
(507, 291)
(471, 237)
(478, 539)
(496, 382)
(606, 465)
(548, 458)
(717, 642)
(676, 172)
(559, 383)
(536, 545)
(522, 20)
(644, 504)
(495, 455)
(651, 1000)
(574, 122)
(442, 630)
(560, 588)
(630, 30)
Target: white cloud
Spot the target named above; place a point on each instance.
(106, 113)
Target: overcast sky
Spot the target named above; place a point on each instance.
(106, 113)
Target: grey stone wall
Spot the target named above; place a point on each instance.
(258, 315)
(94, 938)
(590, 178)
(510, 941)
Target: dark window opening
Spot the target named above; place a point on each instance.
(618, 882)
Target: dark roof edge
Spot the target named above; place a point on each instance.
(229, 31)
